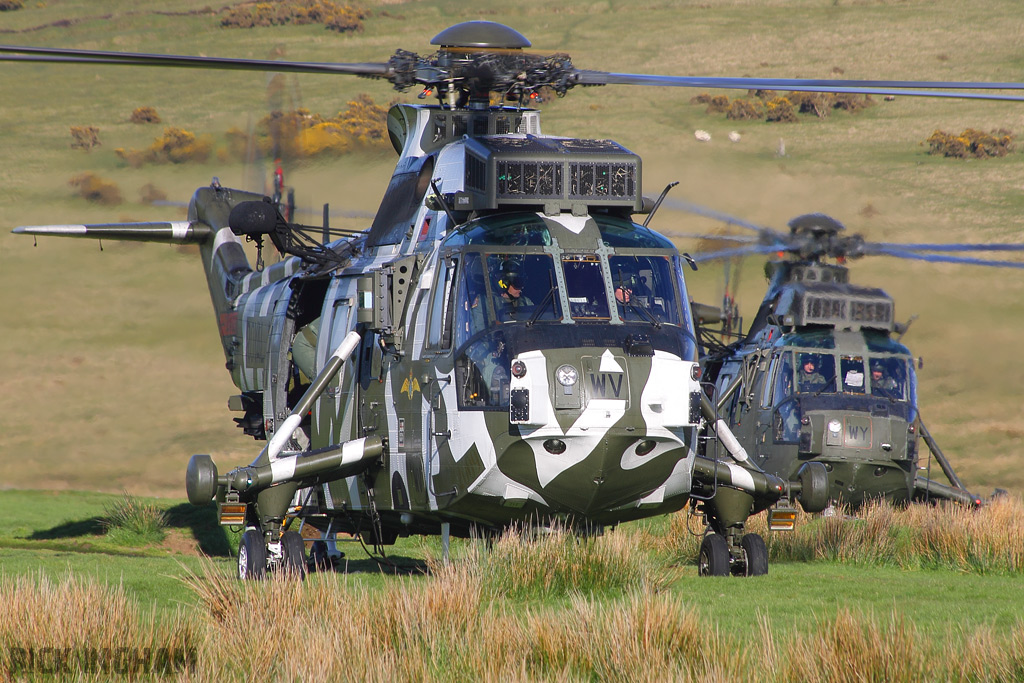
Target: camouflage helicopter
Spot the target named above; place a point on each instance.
(821, 375)
(502, 345)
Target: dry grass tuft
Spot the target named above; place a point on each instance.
(523, 563)
(90, 623)
(989, 540)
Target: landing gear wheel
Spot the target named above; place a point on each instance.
(756, 553)
(252, 556)
(293, 554)
(714, 556)
(319, 558)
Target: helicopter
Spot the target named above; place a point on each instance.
(821, 373)
(470, 361)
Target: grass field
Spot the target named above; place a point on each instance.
(113, 376)
(625, 605)
(111, 366)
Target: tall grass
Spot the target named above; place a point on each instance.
(558, 563)
(453, 625)
(989, 540)
(78, 626)
(131, 521)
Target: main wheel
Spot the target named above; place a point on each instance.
(319, 559)
(714, 556)
(293, 554)
(252, 555)
(756, 553)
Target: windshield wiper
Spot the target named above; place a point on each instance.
(543, 302)
(827, 385)
(644, 312)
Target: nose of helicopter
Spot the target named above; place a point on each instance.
(607, 431)
(621, 469)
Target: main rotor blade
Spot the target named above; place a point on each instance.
(902, 88)
(713, 238)
(50, 54)
(734, 253)
(870, 246)
(938, 258)
(690, 207)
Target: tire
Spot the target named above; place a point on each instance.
(319, 558)
(293, 555)
(814, 490)
(756, 554)
(714, 556)
(252, 556)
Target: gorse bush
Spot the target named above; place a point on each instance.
(144, 115)
(341, 18)
(971, 144)
(96, 189)
(85, 137)
(769, 106)
(300, 133)
(130, 521)
(175, 146)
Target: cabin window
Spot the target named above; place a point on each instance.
(439, 303)
(482, 373)
(644, 289)
(784, 378)
(473, 316)
(851, 368)
(787, 422)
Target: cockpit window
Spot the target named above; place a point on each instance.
(618, 232)
(515, 230)
(889, 378)
(852, 370)
(523, 287)
(584, 281)
(644, 289)
(815, 372)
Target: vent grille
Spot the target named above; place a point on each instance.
(560, 174)
(529, 178)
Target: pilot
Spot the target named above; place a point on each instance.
(881, 383)
(512, 303)
(810, 378)
(630, 287)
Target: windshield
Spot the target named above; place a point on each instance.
(816, 372)
(644, 288)
(889, 378)
(584, 282)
